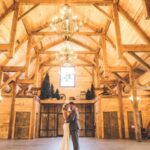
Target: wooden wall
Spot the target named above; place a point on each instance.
(110, 104)
(83, 81)
(21, 105)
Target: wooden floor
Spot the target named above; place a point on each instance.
(85, 144)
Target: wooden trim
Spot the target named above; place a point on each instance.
(51, 101)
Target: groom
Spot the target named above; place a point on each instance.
(74, 125)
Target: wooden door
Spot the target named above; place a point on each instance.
(111, 130)
(131, 126)
(22, 125)
(60, 124)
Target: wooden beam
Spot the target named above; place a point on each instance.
(85, 2)
(51, 52)
(140, 60)
(121, 111)
(36, 77)
(25, 81)
(44, 33)
(120, 78)
(104, 53)
(13, 30)
(118, 69)
(28, 57)
(109, 17)
(86, 60)
(12, 113)
(83, 45)
(117, 30)
(13, 77)
(136, 48)
(11, 69)
(4, 47)
(9, 10)
(75, 64)
(51, 44)
(135, 25)
(28, 11)
(137, 122)
(87, 70)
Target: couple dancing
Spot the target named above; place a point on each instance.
(70, 127)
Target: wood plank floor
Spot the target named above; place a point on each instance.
(85, 144)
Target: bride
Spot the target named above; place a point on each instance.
(66, 132)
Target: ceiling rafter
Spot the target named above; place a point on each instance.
(83, 2)
(108, 16)
(135, 26)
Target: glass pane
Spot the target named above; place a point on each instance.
(44, 108)
(43, 133)
(52, 133)
(52, 121)
(44, 121)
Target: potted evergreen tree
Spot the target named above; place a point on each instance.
(45, 90)
(57, 96)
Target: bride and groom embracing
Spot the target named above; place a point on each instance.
(70, 127)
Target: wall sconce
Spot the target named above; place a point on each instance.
(1, 98)
(131, 98)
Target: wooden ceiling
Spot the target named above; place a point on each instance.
(115, 38)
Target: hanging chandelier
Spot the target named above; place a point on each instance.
(66, 56)
(66, 23)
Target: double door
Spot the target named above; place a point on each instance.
(51, 120)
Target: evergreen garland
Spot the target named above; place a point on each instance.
(45, 90)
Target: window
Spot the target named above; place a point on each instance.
(67, 77)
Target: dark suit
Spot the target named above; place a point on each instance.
(74, 128)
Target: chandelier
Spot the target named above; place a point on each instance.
(66, 56)
(66, 23)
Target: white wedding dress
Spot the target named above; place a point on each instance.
(65, 144)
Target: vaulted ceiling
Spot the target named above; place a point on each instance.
(115, 36)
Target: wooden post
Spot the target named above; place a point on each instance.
(120, 101)
(32, 126)
(12, 113)
(28, 57)
(14, 29)
(117, 29)
(137, 122)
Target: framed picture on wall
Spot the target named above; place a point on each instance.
(67, 77)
